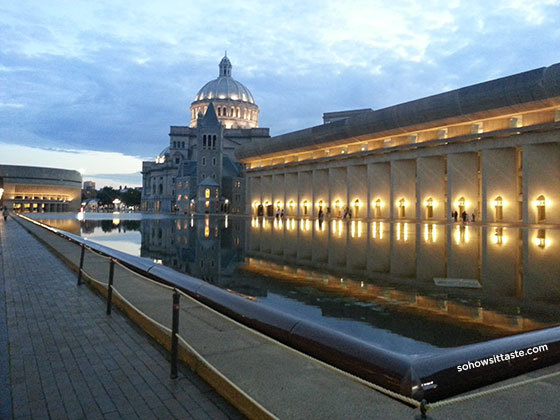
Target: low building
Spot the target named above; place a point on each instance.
(39, 190)
(488, 152)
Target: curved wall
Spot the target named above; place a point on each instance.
(35, 189)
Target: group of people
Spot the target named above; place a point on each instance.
(320, 215)
(464, 216)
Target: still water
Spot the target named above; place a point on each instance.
(373, 280)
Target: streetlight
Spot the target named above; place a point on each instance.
(116, 204)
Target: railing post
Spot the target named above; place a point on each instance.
(174, 332)
(110, 286)
(81, 264)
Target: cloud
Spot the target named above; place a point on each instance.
(104, 166)
(113, 76)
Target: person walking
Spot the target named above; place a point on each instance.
(5, 213)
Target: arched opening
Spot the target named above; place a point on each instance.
(402, 208)
(429, 208)
(541, 208)
(357, 206)
(377, 207)
(338, 208)
(462, 204)
(207, 193)
(498, 208)
(291, 207)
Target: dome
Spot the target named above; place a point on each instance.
(224, 87)
(233, 102)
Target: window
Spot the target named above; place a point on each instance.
(207, 193)
(477, 128)
(177, 159)
(203, 161)
(213, 161)
(204, 141)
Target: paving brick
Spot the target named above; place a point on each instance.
(69, 360)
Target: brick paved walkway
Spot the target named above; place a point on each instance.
(68, 360)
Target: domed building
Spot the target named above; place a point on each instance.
(197, 172)
(233, 102)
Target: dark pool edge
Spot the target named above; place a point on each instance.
(432, 376)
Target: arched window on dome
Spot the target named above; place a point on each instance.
(232, 110)
(237, 112)
(219, 111)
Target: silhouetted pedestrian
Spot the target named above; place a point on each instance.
(464, 216)
(5, 213)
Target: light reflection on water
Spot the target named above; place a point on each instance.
(370, 279)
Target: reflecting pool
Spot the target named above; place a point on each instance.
(402, 286)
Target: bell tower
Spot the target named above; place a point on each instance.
(209, 162)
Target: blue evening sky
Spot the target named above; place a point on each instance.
(95, 85)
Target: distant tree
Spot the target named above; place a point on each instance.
(131, 197)
(106, 195)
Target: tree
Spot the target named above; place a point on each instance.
(131, 197)
(106, 195)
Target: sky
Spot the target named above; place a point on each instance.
(95, 85)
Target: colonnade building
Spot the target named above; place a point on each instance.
(490, 151)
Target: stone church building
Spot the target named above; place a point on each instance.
(198, 172)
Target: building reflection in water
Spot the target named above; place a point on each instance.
(378, 273)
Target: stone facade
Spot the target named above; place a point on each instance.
(198, 171)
